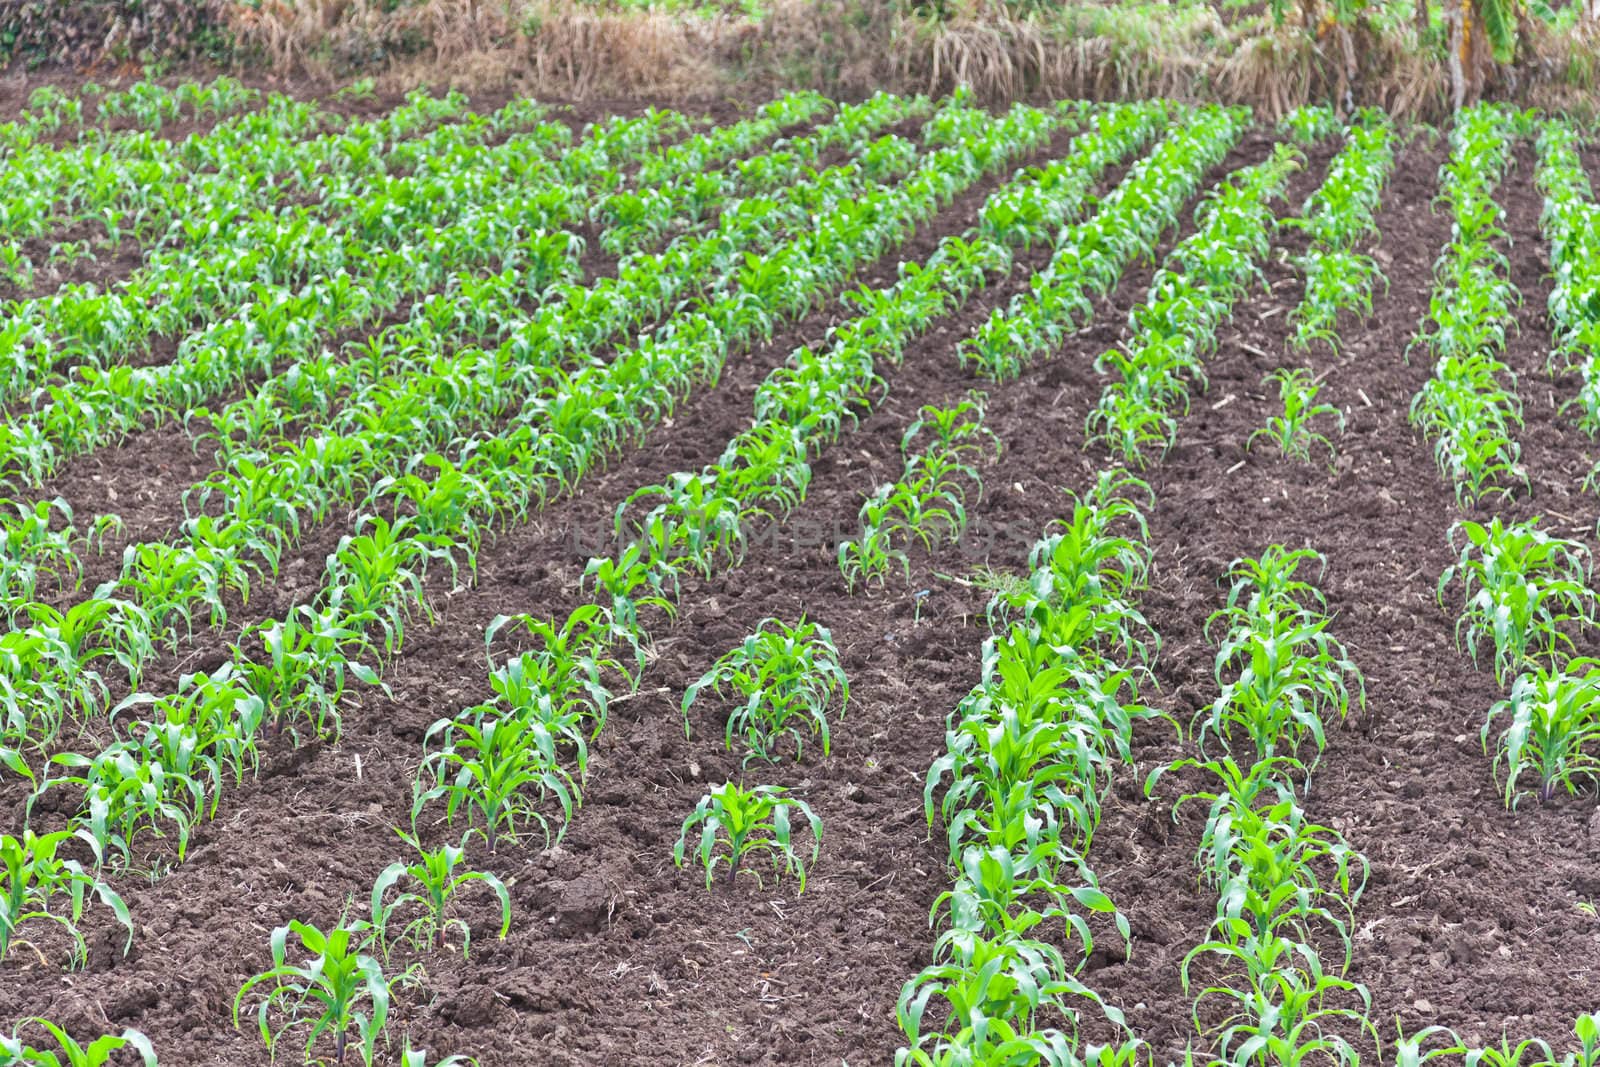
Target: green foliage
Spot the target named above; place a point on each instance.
(1190, 297)
(503, 769)
(928, 503)
(337, 990)
(37, 884)
(746, 823)
(1522, 589)
(1552, 730)
(1467, 408)
(416, 916)
(788, 679)
(68, 1053)
(1291, 431)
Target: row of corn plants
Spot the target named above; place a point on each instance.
(1525, 595)
(254, 507)
(1336, 219)
(286, 330)
(1029, 756)
(86, 113)
(1266, 988)
(1338, 279)
(1469, 408)
(1093, 253)
(687, 181)
(928, 503)
(1525, 599)
(705, 514)
(550, 702)
(694, 522)
(43, 183)
(1571, 224)
(1189, 298)
(289, 674)
(378, 194)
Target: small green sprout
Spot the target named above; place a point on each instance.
(789, 679)
(748, 822)
(98, 1053)
(33, 878)
(437, 881)
(1291, 431)
(340, 988)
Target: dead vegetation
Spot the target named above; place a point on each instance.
(1273, 56)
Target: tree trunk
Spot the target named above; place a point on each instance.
(1455, 16)
(1471, 59)
(1424, 23)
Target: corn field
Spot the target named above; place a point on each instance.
(894, 581)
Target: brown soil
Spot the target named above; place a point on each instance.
(617, 957)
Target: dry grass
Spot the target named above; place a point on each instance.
(573, 49)
(576, 51)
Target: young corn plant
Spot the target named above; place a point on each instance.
(415, 1057)
(738, 824)
(1524, 591)
(309, 655)
(1551, 730)
(416, 916)
(339, 989)
(993, 987)
(502, 769)
(1288, 674)
(38, 885)
(1310, 124)
(163, 783)
(1469, 408)
(571, 662)
(789, 679)
(17, 1050)
(1275, 872)
(1291, 432)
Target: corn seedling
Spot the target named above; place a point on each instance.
(339, 989)
(1523, 590)
(415, 1057)
(39, 885)
(1189, 298)
(428, 884)
(1291, 432)
(502, 769)
(928, 503)
(788, 679)
(16, 1051)
(1552, 729)
(1310, 124)
(1281, 673)
(737, 824)
(993, 988)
